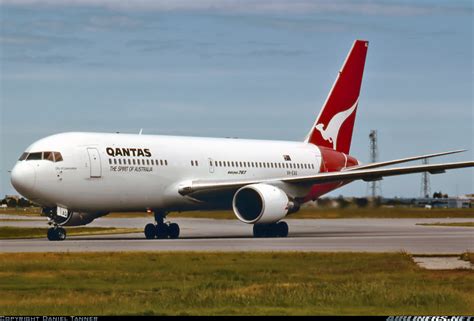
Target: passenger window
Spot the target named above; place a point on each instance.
(148, 162)
(153, 162)
(197, 164)
(23, 156)
(110, 161)
(166, 162)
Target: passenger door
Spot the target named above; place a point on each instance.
(94, 163)
(211, 165)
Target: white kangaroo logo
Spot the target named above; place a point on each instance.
(332, 130)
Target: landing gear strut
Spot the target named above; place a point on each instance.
(56, 234)
(160, 229)
(279, 229)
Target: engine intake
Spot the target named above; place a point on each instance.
(261, 204)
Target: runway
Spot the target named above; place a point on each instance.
(322, 235)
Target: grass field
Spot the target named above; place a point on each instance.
(7, 232)
(351, 212)
(468, 256)
(229, 283)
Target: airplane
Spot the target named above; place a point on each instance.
(80, 176)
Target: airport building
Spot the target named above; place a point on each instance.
(450, 202)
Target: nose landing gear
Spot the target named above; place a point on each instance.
(160, 229)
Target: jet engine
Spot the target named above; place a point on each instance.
(262, 204)
(64, 217)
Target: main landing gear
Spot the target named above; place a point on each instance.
(160, 229)
(279, 229)
(56, 233)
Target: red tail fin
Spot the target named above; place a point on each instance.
(334, 125)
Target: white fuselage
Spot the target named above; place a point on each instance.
(126, 172)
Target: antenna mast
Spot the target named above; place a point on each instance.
(375, 187)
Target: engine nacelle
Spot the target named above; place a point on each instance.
(261, 204)
(64, 217)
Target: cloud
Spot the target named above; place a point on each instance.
(155, 45)
(367, 7)
(40, 59)
(113, 22)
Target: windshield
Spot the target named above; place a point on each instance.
(49, 156)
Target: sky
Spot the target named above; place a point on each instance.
(250, 69)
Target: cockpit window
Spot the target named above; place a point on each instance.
(58, 157)
(35, 156)
(23, 156)
(49, 156)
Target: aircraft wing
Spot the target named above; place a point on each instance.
(208, 186)
(402, 160)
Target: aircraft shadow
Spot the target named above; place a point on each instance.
(217, 237)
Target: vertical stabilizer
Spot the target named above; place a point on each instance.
(334, 125)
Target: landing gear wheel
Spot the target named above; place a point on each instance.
(56, 234)
(282, 229)
(61, 234)
(173, 231)
(271, 230)
(150, 231)
(259, 230)
(161, 231)
(52, 234)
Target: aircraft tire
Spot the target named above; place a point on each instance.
(61, 234)
(150, 231)
(281, 229)
(52, 235)
(161, 231)
(173, 231)
(259, 230)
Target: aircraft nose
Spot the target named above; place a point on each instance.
(23, 178)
